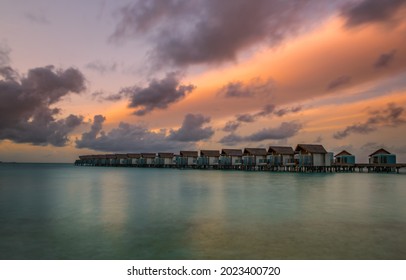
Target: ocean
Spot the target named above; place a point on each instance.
(62, 211)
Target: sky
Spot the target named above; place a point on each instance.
(97, 77)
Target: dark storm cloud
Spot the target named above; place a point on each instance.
(25, 112)
(159, 94)
(255, 87)
(124, 138)
(285, 130)
(338, 82)
(385, 59)
(391, 116)
(192, 129)
(101, 67)
(186, 32)
(371, 11)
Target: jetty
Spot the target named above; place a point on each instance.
(305, 158)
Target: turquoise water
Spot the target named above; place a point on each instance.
(59, 211)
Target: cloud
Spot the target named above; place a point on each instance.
(285, 130)
(371, 11)
(95, 129)
(254, 88)
(159, 94)
(385, 59)
(283, 111)
(231, 126)
(184, 33)
(138, 138)
(4, 55)
(231, 139)
(37, 18)
(266, 111)
(124, 138)
(26, 115)
(339, 82)
(391, 116)
(319, 139)
(192, 129)
(101, 67)
(245, 118)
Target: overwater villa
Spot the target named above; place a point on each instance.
(312, 155)
(231, 157)
(305, 158)
(164, 160)
(254, 157)
(280, 156)
(133, 159)
(344, 158)
(209, 158)
(147, 159)
(382, 156)
(187, 158)
(121, 159)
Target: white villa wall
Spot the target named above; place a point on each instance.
(213, 160)
(236, 160)
(191, 161)
(287, 159)
(318, 159)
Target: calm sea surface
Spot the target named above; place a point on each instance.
(59, 211)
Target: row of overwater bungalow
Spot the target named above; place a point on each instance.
(274, 158)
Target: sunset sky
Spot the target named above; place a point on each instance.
(96, 77)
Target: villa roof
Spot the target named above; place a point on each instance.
(343, 153)
(133, 155)
(148, 155)
(121, 155)
(255, 151)
(84, 157)
(281, 150)
(165, 155)
(210, 153)
(311, 148)
(231, 152)
(380, 152)
(189, 153)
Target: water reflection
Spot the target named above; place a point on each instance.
(65, 212)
